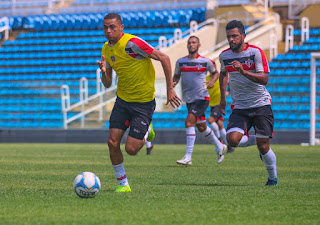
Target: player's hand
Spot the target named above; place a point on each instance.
(174, 84)
(222, 106)
(102, 64)
(238, 66)
(173, 98)
(209, 84)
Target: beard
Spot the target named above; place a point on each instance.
(236, 47)
(192, 52)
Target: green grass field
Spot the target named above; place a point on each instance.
(37, 186)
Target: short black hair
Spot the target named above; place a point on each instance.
(113, 16)
(236, 24)
(194, 37)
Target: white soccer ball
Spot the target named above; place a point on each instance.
(87, 185)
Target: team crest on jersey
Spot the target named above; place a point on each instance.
(248, 62)
(199, 66)
(112, 59)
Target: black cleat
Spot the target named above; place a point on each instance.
(149, 150)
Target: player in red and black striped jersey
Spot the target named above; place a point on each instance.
(192, 70)
(248, 71)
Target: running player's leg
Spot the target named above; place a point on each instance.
(263, 124)
(238, 124)
(190, 122)
(206, 131)
(149, 146)
(212, 121)
(119, 122)
(141, 116)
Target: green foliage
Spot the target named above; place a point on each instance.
(36, 186)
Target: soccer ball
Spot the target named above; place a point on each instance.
(87, 185)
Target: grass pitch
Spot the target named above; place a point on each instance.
(37, 186)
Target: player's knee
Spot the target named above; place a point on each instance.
(232, 141)
(131, 150)
(113, 143)
(210, 119)
(263, 147)
(188, 123)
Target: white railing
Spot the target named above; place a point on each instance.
(289, 38)
(178, 34)
(275, 19)
(304, 29)
(273, 46)
(85, 100)
(4, 27)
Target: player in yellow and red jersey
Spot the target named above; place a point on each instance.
(130, 57)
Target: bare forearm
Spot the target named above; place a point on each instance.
(214, 76)
(223, 84)
(166, 65)
(106, 79)
(261, 78)
(176, 78)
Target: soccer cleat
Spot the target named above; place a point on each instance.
(123, 188)
(149, 150)
(272, 182)
(151, 134)
(221, 152)
(184, 161)
(230, 149)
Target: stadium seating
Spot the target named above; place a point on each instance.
(54, 51)
(289, 84)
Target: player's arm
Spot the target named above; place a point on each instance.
(223, 80)
(176, 78)
(177, 74)
(172, 97)
(106, 72)
(214, 77)
(261, 65)
(260, 77)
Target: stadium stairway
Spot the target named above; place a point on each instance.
(35, 65)
(289, 84)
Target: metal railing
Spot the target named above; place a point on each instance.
(275, 19)
(85, 99)
(178, 34)
(4, 27)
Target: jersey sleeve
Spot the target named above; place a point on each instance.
(177, 70)
(137, 46)
(210, 66)
(222, 68)
(261, 62)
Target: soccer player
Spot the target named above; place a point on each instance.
(216, 119)
(149, 146)
(130, 57)
(248, 70)
(193, 71)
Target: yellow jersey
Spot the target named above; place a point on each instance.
(214, 93)
(135, 76)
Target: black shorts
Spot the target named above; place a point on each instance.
(215, 113)
(198, 108)
(261, 118)
(135, 115)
